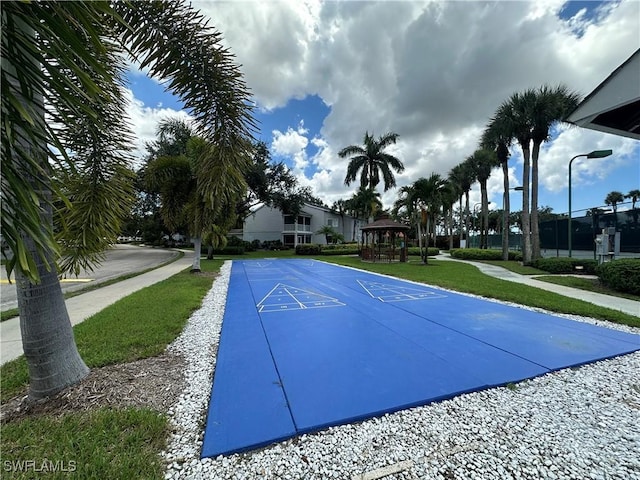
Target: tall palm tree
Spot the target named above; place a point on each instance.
(340, 206)
(371, 160)
(427, 197)
(514, 115)
(497, 137)
(633, 195)
(484, 161)
(69, 58)
(450, 193)
(464, 176)
(550, 106)
(367, 202)
(613, 199)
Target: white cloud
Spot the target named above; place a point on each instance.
(292, 143)
(434, 72)
(144, 122)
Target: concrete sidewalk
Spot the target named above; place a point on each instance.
(630, 307)
(87, 304)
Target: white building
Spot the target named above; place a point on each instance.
(269, 224)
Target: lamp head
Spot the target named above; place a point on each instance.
(599, 153)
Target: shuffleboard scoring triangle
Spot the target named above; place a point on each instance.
(286, 297)
(397, 293)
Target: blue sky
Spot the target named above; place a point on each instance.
(433, 73)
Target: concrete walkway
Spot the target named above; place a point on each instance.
(630, 307)
(87, 304)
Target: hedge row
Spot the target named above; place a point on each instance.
(622, 275)
(233, 250)
(566, 265)
(483, 254)
(431, 251)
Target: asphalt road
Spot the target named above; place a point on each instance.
(120, 260)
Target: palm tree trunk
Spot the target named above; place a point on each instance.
(47, 337)
(197, 246)
(451, 226)
(460, 230)
(526, 221)
(466, 217)
(484, 224)
(505, 212)
(535, 227)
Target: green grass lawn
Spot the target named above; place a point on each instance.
(467, 278)
(515, 267)
(125, 443)
(590, 284)
(107, 443)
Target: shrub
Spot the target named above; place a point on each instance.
(351, 249)
(308, 249)
(233, 241)
(229, 250)
(483, 254)
(622, 275)
(431, 251)
(565, 265)
(272, 245)
(256, 244)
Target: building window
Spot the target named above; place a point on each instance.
(288, 240)
(332, 222)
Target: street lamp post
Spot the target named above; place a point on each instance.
(594, 154)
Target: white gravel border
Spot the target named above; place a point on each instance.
(578, 423)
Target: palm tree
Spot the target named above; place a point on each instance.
(330, 234)
(550, 106)
(370, 159)
(367, 202)
(427, 197)
(69, 58)
(176, 179)
(497, 137)
(463, 175)
(633, 195)
(613, 199)
(484, 161)
(514, 115)
(450, 193)
(340, 206)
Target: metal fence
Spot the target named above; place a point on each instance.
(554, 233)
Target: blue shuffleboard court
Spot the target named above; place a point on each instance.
(306, 345)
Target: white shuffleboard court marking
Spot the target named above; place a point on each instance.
(285, 297)
(395, 293)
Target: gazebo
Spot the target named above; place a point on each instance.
(384, 240)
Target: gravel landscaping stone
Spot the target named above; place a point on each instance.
(577, 423)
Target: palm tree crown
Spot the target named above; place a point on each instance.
(633, 195)
(371, 160)
(613, 199)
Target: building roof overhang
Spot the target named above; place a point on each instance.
(614, 106)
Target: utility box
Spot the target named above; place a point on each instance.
(607, 245)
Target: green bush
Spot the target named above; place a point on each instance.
(483, 254)
(622, 275)
(308, 249)
(565, 265)
(431, 251)
(229, 250)
(341, 249)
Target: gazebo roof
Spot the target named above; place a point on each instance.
(386, 224)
